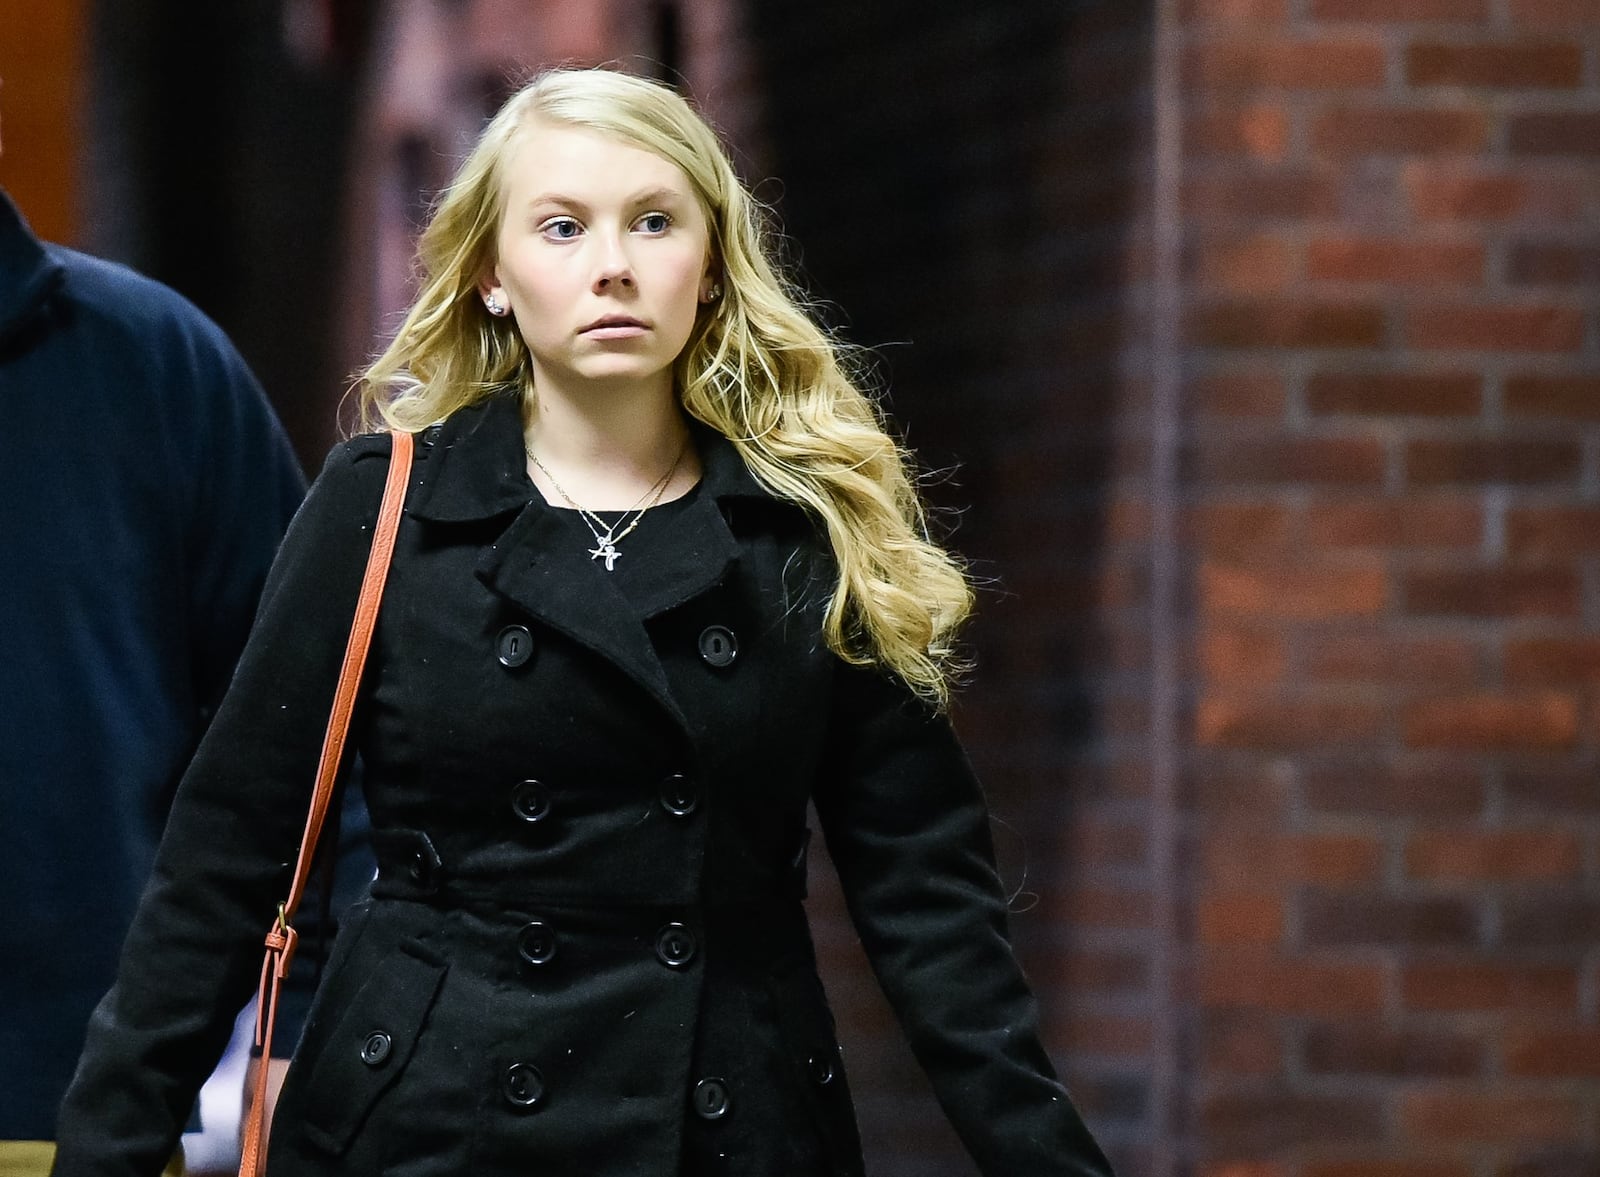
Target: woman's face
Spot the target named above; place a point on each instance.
(603, 257)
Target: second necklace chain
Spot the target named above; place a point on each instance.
(607, 537)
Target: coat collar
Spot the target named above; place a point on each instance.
(476, 466)
(475, 470)
(30, 274)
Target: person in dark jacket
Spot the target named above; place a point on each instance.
(151, 486)
(660, 584)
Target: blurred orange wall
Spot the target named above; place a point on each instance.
(42, 111)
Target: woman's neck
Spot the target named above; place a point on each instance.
(605, 452)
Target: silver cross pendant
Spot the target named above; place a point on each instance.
(607, 552)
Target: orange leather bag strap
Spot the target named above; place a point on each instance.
(281, 940)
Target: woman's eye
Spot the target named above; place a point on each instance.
(655, 222)
(560, 228)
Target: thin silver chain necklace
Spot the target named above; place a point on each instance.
(606, 538)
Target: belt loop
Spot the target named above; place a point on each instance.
(407, 858)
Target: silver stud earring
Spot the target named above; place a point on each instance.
(492, 302)
(714, 293)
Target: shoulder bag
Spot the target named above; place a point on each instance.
(282, 939)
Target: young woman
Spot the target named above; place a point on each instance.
(661, 581)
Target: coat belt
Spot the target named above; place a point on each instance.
(410, 866)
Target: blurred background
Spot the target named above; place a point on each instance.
(1254, 344)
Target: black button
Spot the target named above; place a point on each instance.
(522, 1086)
(537, 944)
(675, 945)
(420, 868)
(530, 801)
(718, 646)
(375, 1050)
(821, 1068)
(678, 795)
(514, 646)
(711, 1100)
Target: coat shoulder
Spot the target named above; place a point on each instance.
(357, 465)
(363, 445)
(342, 505)
(376, 448)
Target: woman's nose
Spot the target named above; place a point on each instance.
(613, 266)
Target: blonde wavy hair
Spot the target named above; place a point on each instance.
(756, 368)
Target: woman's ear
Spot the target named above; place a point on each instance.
(493, 294)
(710, 284)
(711, 278)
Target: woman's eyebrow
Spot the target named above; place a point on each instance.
(644, 196)
(651, 195)
(570, 202)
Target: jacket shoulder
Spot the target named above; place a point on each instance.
(363, 445)
(355, 470)
(351, 480)
(380, 444)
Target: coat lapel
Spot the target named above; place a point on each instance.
(475, 470)
(539, 566)
(701, 557)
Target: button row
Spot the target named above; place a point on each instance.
(718, 645)
(531, 800)
(676, 945)
(523, 1087)
(523, 1084)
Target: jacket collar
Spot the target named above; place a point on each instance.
(476, 465)
(30, 275)
(475, 470)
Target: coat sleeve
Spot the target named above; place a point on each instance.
(236, 485)
(908, 830)
(192, 956)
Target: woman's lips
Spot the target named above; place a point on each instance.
(615, 327)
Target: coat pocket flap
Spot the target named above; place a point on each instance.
(366, 1052)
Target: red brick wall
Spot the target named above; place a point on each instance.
(1391, 212)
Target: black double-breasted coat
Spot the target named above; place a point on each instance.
(585, 951)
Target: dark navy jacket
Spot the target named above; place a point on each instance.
(149, 488)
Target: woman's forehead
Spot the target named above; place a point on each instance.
(581, 163)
